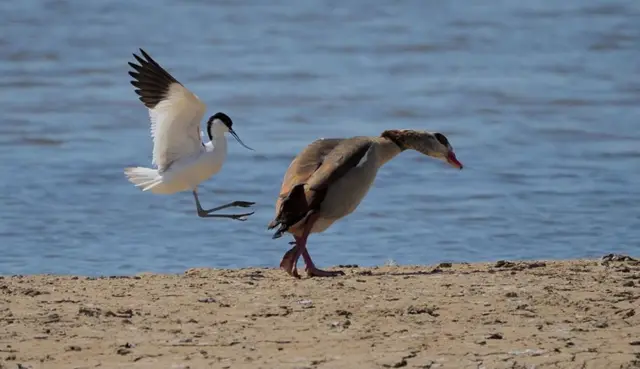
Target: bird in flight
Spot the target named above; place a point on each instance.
(183, 160)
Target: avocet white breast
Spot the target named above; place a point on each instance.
(183, 161)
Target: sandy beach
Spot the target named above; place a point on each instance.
(534, 314)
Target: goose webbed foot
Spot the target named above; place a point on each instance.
(289, 261)
(315, 272)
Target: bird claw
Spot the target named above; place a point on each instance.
(241, 217)
(315, 272)
(295, 274)
(242, 204)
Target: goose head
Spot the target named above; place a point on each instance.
(433, 144)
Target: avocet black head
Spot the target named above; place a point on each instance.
(220, 118)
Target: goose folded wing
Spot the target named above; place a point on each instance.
(339, 161)
(306, 163)
(310, 174)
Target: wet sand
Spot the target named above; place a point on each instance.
(543, 314)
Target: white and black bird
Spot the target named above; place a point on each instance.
(183, 161)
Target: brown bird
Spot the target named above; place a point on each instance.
(330, 177)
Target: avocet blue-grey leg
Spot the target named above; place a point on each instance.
(207, 213)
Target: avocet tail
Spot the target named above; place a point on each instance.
(144, 178)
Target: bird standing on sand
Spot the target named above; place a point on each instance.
(183, 160)
(330, 177)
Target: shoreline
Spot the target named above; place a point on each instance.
(389, 264)
(579, 313)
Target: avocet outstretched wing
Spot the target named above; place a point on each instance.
(175, 112)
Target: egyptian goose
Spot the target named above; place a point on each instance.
(330, 177)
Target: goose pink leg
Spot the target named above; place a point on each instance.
(301, 243)
(290, 260)
(311, 269)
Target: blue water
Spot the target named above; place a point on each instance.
(540, 99)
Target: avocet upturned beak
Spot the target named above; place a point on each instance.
(235, 135)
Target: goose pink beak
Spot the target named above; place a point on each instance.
(453, 161)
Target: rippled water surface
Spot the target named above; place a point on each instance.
(540, 99)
